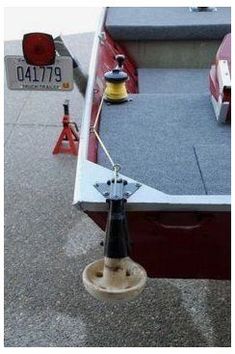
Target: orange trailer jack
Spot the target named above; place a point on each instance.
(68, 141)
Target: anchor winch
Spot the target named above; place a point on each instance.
(115, 91)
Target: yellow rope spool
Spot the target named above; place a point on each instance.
(115, 91)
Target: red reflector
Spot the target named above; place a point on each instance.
(39, 49)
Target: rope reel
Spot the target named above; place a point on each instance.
(115, 91)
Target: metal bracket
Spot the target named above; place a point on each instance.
(118, 189)
(102, 38)
(79, 76)
(223, 75)
(221, 109)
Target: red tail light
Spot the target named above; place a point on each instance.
(39, 49)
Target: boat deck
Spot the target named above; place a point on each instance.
(165, 23)
(167, 137)
(173, 81)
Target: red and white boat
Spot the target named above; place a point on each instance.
(170, 139)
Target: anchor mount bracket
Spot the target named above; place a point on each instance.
(116, 189)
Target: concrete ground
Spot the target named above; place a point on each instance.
(48, 243)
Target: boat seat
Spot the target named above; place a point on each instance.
(185, 81)
(165, 23)
(171, 142)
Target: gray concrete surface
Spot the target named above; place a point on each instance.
(48, 243)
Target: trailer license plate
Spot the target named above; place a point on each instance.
(56, 77)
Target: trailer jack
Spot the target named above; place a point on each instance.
(116, 276)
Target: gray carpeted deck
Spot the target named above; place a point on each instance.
(156, 140)
(216, 176)
(187, 81)
(165, 23)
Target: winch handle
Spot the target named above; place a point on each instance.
(120, 58)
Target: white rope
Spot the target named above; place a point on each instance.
(98, 112)
(104, 148)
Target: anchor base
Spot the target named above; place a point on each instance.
(113, 279)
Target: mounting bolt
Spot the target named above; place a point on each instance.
(138, 185)
(97, 185)
(106, 194)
